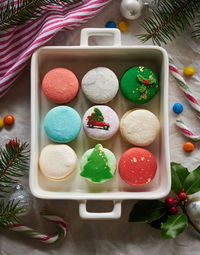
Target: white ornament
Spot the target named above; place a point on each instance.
(131, 9)
(193, 210)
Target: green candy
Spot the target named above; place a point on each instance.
(139, 84)
(98, 165)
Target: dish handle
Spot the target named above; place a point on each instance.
(112, 32)
(114, 214)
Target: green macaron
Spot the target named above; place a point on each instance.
(98, 164)
(139, 84)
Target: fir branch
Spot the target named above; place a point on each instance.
(9, 212)
(13, 14)
(169, 19)
(196, 32)
(14, 162)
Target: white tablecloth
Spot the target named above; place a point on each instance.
(114, 236)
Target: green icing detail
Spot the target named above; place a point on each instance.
(97, 168)
(152, 80)
(142, 88)
(140, 78)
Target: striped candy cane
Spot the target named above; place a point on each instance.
(41, 237)
(184, 87)
(186, 131)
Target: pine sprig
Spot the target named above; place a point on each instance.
(14, 162)
(13, 13)
(196, 32)
(169, 19)
(9, 212)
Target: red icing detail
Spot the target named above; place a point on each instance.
(146, 82)
(137, 166)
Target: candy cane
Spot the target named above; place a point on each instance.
(38, 236)
(186, 131)
(184, 87)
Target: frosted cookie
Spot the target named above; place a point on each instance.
(57, 162)
(98, 165)
(60, 85)
(137, 166)
(62, 124)
(100, 85)
(139, 84)
(100, 122)
(139, 127)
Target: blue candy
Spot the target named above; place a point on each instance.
(111, 24)
(177, 108)
(62, 124)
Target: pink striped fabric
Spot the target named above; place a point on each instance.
(18, 44)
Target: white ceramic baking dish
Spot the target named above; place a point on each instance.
(80, 59)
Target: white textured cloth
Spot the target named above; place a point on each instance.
(115, 237)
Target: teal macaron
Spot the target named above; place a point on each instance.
(62, 124)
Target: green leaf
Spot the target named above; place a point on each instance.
(157, 223)
(179, 174)
(142, 89)
(152, 80)
(174, 226)
(147, 211)
(140, 78)
(192, 182)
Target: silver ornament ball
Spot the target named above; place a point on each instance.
(131, 9)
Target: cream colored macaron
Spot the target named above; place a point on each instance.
(139, 127)
(57, 161)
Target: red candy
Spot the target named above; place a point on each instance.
(137, 166)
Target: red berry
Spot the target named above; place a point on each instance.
(173, 210)
(182, 196)
(14, 143)
(146, 82)
(169, 201)
(175, 201)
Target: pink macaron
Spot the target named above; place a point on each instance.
(60, 85)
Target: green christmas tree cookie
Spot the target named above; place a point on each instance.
(98, 164)
(139, 84)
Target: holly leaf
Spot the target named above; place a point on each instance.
(192, 182)
(152, 80)
(147, 211)
(157, 223)
(174, 226)
(179, 174)
(142, 89)
(140, 78)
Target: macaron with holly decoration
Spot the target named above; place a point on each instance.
(139, 84)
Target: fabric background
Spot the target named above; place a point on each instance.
(115, 237)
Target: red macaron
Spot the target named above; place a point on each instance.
(137, 166)
(60, 85)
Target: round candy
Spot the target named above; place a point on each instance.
(111, 24)
(60, 85)
(139, 84)
(139, 127)
(100, 122)
(189, 71)
(57, 162)
(177, 108)
(98, 165)
(123, 25)
(62, 124)
(100, 85)
(188, 147)
(9, 120)
(1, 123)
(137, 166)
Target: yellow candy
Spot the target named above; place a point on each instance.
(123, 25)
(189, 71)
(1, 123)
